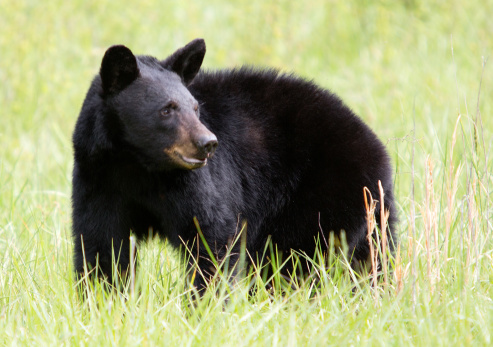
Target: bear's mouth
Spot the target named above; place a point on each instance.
(193, 161)
(190, 163)
(186, 162)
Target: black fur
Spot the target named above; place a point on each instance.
(292, 160)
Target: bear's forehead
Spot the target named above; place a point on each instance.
(157, 73)
(158, 85)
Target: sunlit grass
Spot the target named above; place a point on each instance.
(416, 71)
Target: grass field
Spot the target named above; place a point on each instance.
(416, 71)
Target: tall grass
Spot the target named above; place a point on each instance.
(416, 71)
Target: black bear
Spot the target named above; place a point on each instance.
(158, 143)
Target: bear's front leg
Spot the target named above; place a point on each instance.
(214, 262)
(101, 231)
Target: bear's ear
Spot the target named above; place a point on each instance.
(118, 69)
(187, 60)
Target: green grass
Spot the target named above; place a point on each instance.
(411, 69)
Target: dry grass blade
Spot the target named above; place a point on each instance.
(370, 205)
(384, 216)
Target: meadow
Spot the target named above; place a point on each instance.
(418, 72)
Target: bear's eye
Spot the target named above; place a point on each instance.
(166, 111)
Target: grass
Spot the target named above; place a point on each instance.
(416, 71)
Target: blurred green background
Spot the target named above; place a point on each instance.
(389, 60)
(409, 68)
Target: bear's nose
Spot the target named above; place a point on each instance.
(207, 144)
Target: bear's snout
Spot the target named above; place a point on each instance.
(206, 145)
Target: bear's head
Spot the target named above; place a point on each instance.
(159, 117)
